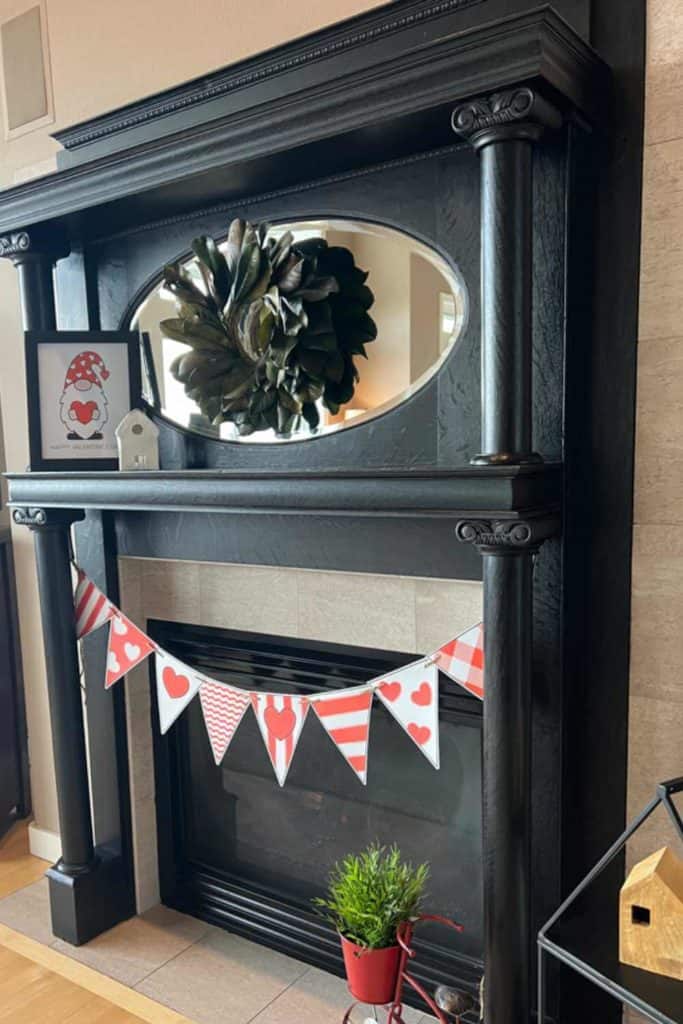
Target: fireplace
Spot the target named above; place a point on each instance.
(241, 853)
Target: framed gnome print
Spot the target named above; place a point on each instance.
(80, 386)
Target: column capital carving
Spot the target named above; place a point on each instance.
(20, 246)
(519, 113)
(46, 518)
(507, 536)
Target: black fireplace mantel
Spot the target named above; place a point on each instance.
(514, 107)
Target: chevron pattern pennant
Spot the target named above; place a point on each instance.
(280, 718)
(223, 708)
(462, 659)
(345, 716)
(92, 608)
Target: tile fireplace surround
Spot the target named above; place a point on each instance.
(367, 610)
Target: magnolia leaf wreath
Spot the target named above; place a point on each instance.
(273, 326)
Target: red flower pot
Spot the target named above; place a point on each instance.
(371, 973)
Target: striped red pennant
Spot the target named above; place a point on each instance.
(92, 608)
(281, 718)
(462, 659)
(345, 716)
(223, 708)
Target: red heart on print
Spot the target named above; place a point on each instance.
(176, 685)
(420, 733)
(422, 696)
(392, 691)
(280, 724)
(83, 410)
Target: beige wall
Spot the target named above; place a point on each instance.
(102, 56)
(656, 707)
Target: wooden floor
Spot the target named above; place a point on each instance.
(40, 986)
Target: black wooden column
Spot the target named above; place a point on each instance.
(504, 128)
(88, 886)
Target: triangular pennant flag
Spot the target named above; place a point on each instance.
(281, 718)
(411, 694)
(462, 659)
(92, 608)
(223, 708)
(128, 646)
(176, 686)
(345, 715)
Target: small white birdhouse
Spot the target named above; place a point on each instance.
(138, 441)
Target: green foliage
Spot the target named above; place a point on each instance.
(272, 329)
(369, 895)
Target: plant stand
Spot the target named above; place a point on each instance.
(394, 1010)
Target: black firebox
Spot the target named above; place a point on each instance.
(238, 851)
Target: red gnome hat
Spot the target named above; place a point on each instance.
(86, 366)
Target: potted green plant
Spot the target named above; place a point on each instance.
(369, 896)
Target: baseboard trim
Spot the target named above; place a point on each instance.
(44, 844)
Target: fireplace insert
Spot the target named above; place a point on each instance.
(238, 851)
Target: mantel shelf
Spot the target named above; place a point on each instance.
(501, 491)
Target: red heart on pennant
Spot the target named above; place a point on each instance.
(392, 691)
(422, 696)
(280, 724)
(420, 733)
(83, 410)
(176, 685)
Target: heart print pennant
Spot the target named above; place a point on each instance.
(176, 686)
(223, 708)
(411, 694)
(462, 660)
(280, 718)
(128, 646)
(345, 716)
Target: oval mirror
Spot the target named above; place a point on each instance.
(287, 332)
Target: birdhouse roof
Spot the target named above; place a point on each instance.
(663, 865)
(133, 417)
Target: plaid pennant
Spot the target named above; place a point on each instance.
(462, 660)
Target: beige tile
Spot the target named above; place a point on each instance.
(659, 421)
(444, 608)
(655, 749)
(170, 590)
(661, 246)
(664, 80)
(248, 597)
(317, 998)
(658, 496)
(352, 608)
(130, 587)
(138, 947)
(222, 978)
(656, 610)
(28, 911)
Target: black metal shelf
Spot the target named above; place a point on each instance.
(657, 997)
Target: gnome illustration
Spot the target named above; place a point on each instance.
(83, 403)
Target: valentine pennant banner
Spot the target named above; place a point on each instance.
(345, 716)
(462, 660)
(176, 686)
(92, 608)
(411, 694)
(281, 718)
(128, 646)
(223, 707)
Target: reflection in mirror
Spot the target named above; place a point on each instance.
(419, 309)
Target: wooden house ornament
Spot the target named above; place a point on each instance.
(651, 915)
(137, 438)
